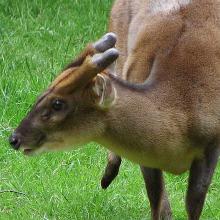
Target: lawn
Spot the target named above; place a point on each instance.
(37, 38)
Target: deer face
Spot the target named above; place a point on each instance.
(72, 110)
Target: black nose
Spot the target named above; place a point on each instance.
(14, 141)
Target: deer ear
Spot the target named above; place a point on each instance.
(104, 91)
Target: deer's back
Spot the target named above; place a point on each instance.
(181, 41)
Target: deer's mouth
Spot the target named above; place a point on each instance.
(28, 151)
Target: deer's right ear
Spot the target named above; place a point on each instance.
(105, 91)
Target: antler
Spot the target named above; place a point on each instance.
(87, 66)
(106, 42)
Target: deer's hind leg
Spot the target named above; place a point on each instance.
(201, 173)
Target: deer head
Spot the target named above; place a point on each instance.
(72, 110)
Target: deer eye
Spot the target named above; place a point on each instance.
(57, 105)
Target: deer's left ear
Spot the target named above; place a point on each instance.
(104, 91)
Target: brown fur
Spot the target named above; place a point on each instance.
(172, 122)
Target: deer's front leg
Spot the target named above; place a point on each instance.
(160, 206)
(111, 170)
(201, 173)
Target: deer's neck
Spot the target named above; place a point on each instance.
(132, 123)
(144, 131)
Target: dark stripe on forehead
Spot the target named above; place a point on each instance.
(63, 76)
(53, 86)
(43, 96)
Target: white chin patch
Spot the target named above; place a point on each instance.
(32, 152)
(60, 142)
(53, 147)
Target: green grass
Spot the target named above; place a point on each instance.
(37, 38)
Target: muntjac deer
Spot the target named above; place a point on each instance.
(169, 122)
